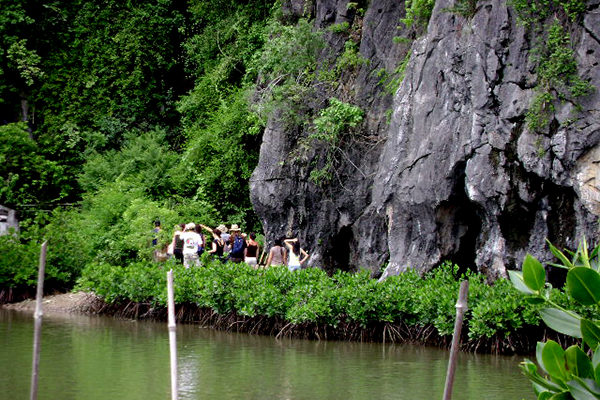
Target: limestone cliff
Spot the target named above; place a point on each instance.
(446, 167)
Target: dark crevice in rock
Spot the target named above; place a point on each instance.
(338, 254)
(516, 222)
(561, 225)
(561, 215)
(459, 223)
(517, 218)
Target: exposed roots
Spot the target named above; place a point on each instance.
(521, 342)
(12, 295)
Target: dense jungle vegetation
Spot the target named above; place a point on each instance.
(135, 111)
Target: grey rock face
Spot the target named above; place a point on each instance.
(455, 174)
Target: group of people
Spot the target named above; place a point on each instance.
(231, 245)
(292, 255)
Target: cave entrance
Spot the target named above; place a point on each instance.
(339, 250)
(459, 224)
(459, 227)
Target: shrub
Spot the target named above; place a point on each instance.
(311, 297)
(418, 12)
(572, 372)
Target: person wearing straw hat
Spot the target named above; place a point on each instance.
(226, 239)
(238, 245)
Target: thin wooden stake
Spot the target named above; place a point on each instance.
(260, 259)
(37, 333)
(461, 308)
(172, 336)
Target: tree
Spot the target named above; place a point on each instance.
(27, 176)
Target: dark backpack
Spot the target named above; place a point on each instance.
(238, 247)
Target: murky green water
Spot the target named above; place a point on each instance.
(88, 358)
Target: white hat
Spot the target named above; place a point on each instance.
(234, 228)
(222, 228)
(190, 226)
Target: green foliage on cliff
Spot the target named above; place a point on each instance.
(285, 70)
(418, 12)
(533, 12)
(558, 78)
(333, 125)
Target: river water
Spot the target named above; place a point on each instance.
(91, 357)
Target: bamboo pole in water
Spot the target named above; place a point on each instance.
(172, 336)
(461, 308)
(37, 333)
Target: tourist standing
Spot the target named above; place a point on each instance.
(177, 243)
(226, 239)
(238, 245)
(191, 242)
(297, 255)
(277, 255)
(157, 254)
(156, 232)
(217, 244)
(251, 251)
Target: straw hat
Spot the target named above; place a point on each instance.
(235, 228)
(222, 228)
(190, 226)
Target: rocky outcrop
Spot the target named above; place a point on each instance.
(453, 173)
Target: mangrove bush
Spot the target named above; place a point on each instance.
(421, 307)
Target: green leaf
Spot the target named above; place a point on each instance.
(594, 262)
(590, 332)
(584, 389)
(538, 355)
(516, 277)
(560, 255)
(557, 265)
(534, 274)
(554, 360)
(559, 396)
(562, 322)
(535, 300)
(578, 363)
(584, 285)
(530, 371)
(583, 253)
(596, 358)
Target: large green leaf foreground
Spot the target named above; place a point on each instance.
(497, 314)
(573, 373)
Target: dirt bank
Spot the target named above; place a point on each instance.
(79, 302)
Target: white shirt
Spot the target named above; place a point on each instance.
(191, 242)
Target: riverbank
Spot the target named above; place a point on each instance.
(521, 342)
(72, 302)
(309, 304)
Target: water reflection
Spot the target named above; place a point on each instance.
(88, 357)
